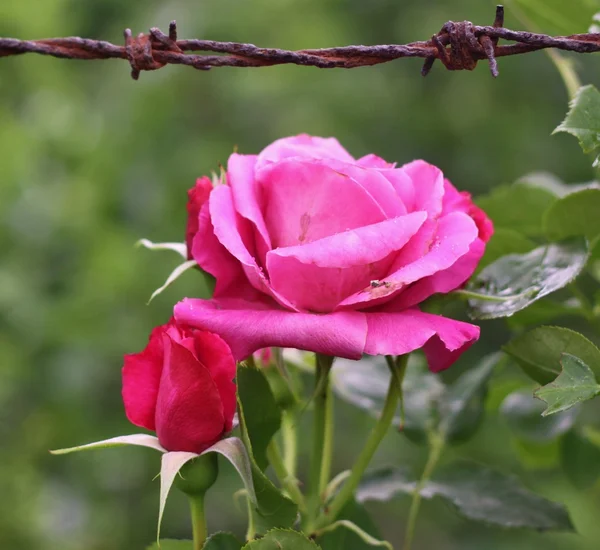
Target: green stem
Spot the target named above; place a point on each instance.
(323, 366)
(327, 455)
(436, 445)
(251, 531)
(377, 434)
(198, 520)
(288, 481)
(290, 441)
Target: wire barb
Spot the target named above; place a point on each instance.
(458, 45)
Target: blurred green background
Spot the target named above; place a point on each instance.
(91, 161)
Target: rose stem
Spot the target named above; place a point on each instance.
(198, 520)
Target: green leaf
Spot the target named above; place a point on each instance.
(273, 508)
(583, 119)
(477, 492)
(557, 16)
(222, 541)
(514, 282)
(575, 214)
(523, 414)
(503, 242)
(279, 539)
(347, 538)
(179, 248)
(461, 407)
(263, 417)
(543, 311)
(539, 351)
(141, 440)
(172, 544)
(576, 383)
(517, 207)
(580, 460)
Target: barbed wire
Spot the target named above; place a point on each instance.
(459, 46)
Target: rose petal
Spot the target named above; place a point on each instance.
(318, 275)
(141, 378)
(373, 161)
(456, 232)
(305, 201)
(405, 331)
(248, 327)
(212, 351)
(189, 410)
(197, 197)
(304, 146)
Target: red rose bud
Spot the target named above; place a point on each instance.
(197, 196)
(181, 386)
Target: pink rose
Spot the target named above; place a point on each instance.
(197, 196)
(315, 250)
(181, 386)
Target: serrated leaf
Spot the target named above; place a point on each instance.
(347, 538)
(477, 492)
(517, 207)
(557, 16)
(576, 383)
(141, 440)
(179, 248)
(273, 508)
(263, 416)
(580, 460)
(583, 119)
(222, 541)
(539, 351)
(514, 282)
(461, 407)
(175, 274)
(281, 539)
(575, 214)
(504, 242)
(523, 414)
(172, 544)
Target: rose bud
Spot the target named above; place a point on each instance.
(181, 386)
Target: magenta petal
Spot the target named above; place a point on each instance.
(212, 351)
(304, 146)
(189, 411)
(428, 183)
(306, 200)
(319, 275)
(454, 236)
(373, 161)
(405, 331)
(247, 328)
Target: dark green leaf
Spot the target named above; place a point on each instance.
(514, 282)
(518, 208)
(344, 538)
(222, 541)
(523, 413)
(478, 493)
(279, 539)
(171, 544)
(537, 456)
(576, 383)
(543, 311)
(557, 17)
(580, 460)
(575, 214)
(583, 119)
(263, 417)
(461, 407)
(539, 351)
(273, 508)
(503, 242)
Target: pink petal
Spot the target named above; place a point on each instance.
(212, 351)
(141, 379)
(305, 201)
(373, 161)
(318, 275)
(197, 197)
(428, 183)
(455, 233)
(189, 411)
(405, 331)
(248, 327)
(304, 146)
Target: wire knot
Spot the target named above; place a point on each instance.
(140, 49)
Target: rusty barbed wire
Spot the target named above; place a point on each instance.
(459, 46)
